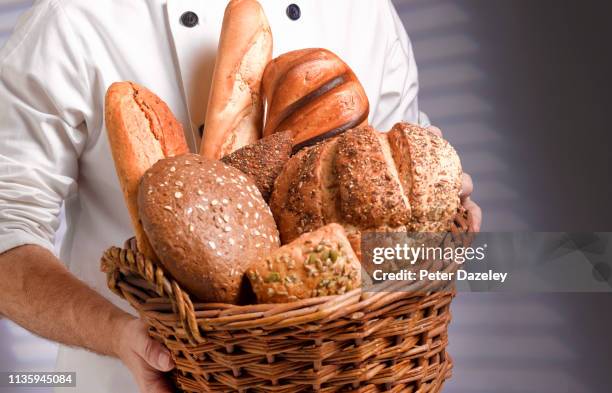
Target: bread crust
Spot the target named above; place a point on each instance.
(313, 93)
(431, 171)
(370, 192)
(264, 160)
(318, 263)
(141, 130)
(206, 221)
(408, 179)
(234, 116)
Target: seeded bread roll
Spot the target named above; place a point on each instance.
(370, 192)
(205, 220)
(409, 179)
(430, 170)
(263, 160)
(318, 263)
(313, 93)
(141, 130)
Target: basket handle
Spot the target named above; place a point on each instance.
(119, 263)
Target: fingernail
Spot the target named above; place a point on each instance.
(164, 360)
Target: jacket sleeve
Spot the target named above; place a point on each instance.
(398, 97)
(42, 130)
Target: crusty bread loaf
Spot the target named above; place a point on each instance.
(430, 170)
(318, 263)
(141, 130)
(234, 117)
(370, 192)
(263, 160)
(313, 93)
(206, 221)
(363, 179)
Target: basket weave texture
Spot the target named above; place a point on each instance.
(390, 338)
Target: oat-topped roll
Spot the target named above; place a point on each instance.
(318, 263)
(206, 222)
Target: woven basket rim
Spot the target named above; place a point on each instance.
(147, 278)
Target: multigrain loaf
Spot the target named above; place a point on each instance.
(318, 263)
(370, 192)
(313, 93)
(263, 160)
(141, 130)
(430, 171)
(408, 179)
(206, 222)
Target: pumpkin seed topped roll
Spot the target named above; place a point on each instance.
(318, 263)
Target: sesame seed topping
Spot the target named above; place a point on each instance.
(169, 208)
(172, 169)
(212, 245)
(178, 195)
(200, 192)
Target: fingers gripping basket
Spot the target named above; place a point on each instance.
(392, 337)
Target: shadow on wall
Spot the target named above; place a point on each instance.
(503, 81)
(454, 94)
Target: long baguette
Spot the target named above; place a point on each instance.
(234, 117)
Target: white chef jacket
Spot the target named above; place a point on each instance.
(54, 72)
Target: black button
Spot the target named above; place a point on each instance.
(294, 12)
(189, 19)
(201, 130)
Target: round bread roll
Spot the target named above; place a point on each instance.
(205, 221)
(318, 263)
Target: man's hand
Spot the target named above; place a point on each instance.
(40, 294)
(146, 358)
(467, 187)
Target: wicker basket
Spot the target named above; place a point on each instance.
(391, 338)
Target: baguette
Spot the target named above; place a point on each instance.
(141, 130)
(234, 117)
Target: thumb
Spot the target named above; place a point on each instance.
(155, 354)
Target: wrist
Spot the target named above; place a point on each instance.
(119, 324)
